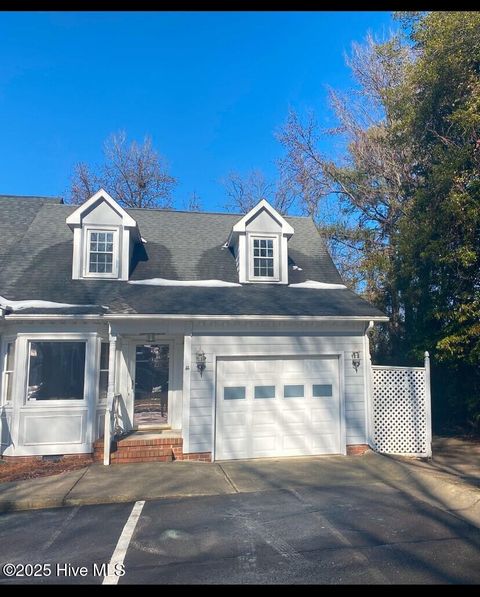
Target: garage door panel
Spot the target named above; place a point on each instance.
(269, 417)
(236, 447)
(234, 431)
(266, 423)
(265, 443)
(297, 442)
(322, 416)
(293, 415)
(326, 443)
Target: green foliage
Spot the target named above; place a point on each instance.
(438, 261)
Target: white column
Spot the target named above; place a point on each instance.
(112, 352)
(367, 381)
(428, 405)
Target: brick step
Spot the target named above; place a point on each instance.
(141, 451)
(164, 441)
(130, 460)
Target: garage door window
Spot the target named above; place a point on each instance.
(322, 390)
(234, 393)
(293, 391)
(264, 392)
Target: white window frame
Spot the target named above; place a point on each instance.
(46, 403)
(87, 231)
(100, 370)
(3, 385)
(276, 258)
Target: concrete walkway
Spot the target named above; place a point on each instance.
(451, 481)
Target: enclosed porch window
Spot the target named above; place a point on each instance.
(56, 370)
(9, 358)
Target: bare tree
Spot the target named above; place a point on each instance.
(357, 198)
(193, 203)
(135, 175)
(244, 192)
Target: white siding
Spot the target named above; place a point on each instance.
(199, 437)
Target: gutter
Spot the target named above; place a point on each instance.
(181, 317)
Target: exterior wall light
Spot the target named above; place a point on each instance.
(201, 360)
(356, 360)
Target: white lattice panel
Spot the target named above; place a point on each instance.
(400, 410)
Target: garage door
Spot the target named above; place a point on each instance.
(277, 407)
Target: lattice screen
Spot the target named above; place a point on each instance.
(400, 411)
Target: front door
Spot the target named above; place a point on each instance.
(152, 374)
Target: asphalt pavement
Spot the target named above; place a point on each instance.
(309, 535)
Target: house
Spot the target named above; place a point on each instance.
(216, 336)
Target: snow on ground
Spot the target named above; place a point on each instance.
(34, 304)
(202, 283)
(318, 285)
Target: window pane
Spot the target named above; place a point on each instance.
(10, 356)
(264, 392)
(104, 355)
(57, 371)
(322, 390)
(103, 385)
(8, 385)
(293, 391)
(234, 393)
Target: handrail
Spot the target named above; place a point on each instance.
(111, 425)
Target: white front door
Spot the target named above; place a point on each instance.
(277, 407)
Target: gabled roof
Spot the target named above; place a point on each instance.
(75, 218)
(36, 263)
(241, 225)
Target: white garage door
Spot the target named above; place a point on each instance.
(277, 407)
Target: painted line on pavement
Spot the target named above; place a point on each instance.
(124, 541)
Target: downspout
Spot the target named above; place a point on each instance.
(112, 351)
(367, 380)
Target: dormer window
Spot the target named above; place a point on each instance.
(264, 265)
(259, 244)
(102, 253)
(104, 238)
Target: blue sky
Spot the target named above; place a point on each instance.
(210, 89)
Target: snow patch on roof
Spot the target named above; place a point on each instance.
(200, 283)
(34, 304)
(297, 268)
(318, 285)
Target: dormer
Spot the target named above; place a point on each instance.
(104, 235)
(260, 245)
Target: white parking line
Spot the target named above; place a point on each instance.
(121, 549)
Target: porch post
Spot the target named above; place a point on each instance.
(428, 405)
(112, 352)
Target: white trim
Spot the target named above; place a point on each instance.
(75, 218)
(252, 236)
(401, 368)
(367, 384)
(241, 225)
(61, 402)
(171, 362)
(187, 373)
(428, 404)
(162, 316)
(88, 229)
(5, 341)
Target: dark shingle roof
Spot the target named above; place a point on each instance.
(36, 263)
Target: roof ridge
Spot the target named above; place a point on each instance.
(57, 199)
